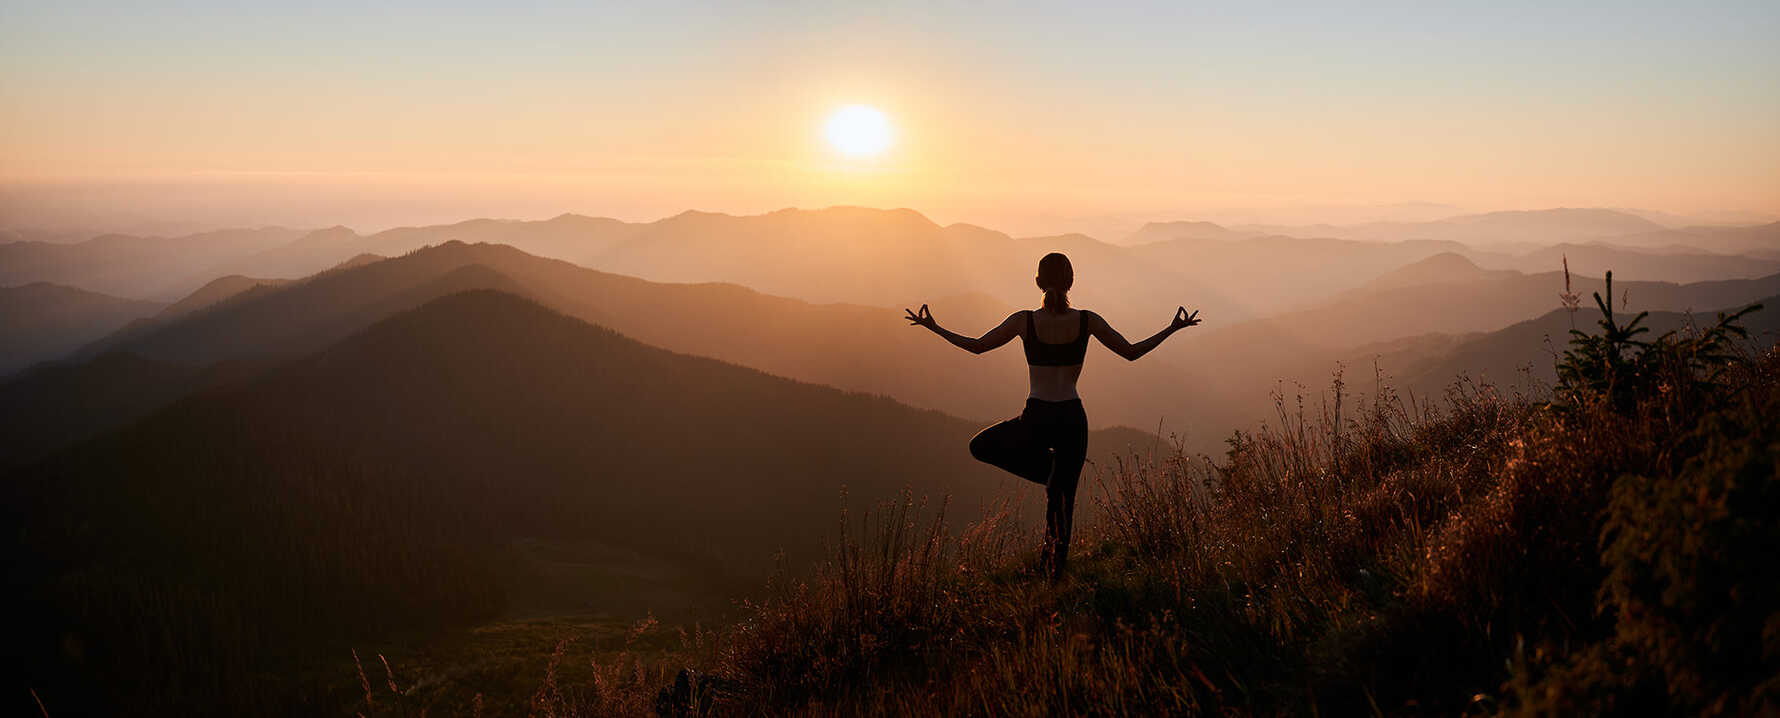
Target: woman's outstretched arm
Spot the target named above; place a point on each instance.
(1009, 328)
(1117, 343)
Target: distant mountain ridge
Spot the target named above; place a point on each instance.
(43, 321)
(1204, 380)
(216, 292)
(1445, 267)
(150, 268)
(897, 257)
(1182, 229)
(1511, 226)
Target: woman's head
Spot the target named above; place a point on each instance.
(1055, 277)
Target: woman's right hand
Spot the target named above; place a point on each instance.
(922, 318)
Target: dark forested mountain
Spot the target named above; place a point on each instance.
(43, 321)
(375, 485)
(55, 405)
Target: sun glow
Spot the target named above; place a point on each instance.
(859, 131)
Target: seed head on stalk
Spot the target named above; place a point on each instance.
(1571, 300)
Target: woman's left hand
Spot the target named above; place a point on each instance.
(1182, 319)
(922, 318)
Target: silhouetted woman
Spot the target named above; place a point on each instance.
(1048, 441)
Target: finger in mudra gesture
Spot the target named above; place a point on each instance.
(1183, 320)
(920, 318)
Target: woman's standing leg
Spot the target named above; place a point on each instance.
(1070, 441)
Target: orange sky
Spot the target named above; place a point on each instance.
(1001, 117)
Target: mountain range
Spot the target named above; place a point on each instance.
(1205, 382)
(380, 484)
(42, 321)
(899, 257)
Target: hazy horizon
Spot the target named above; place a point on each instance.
(1111, 228)
(1029, 119)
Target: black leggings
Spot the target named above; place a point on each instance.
(1046, 444)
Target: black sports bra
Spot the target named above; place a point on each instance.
(1043, 354)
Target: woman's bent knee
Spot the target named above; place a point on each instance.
(982, 447)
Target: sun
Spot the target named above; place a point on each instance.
(859, 131)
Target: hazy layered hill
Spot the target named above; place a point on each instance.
(309, 253)
(1543, 226)
(1273, 274)
(378, 485)
(898, 257)
(167, 268)
(1152, 232)
(1413, 301)
(1224, 375)
(1401, 304)
(849, 346)
(216, 292)
(44, 321)
(158, 268)
(1671, 264)
(1756, 241)
(840, 254)
(570, 237)
(889, 258)
(1442, 268)
(1524, 350)
(1206, 381)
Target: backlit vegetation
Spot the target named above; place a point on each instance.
(1604, 548)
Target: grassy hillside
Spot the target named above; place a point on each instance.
(1605, 550)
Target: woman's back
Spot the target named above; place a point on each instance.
(1055, 343)
(1065, 327)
